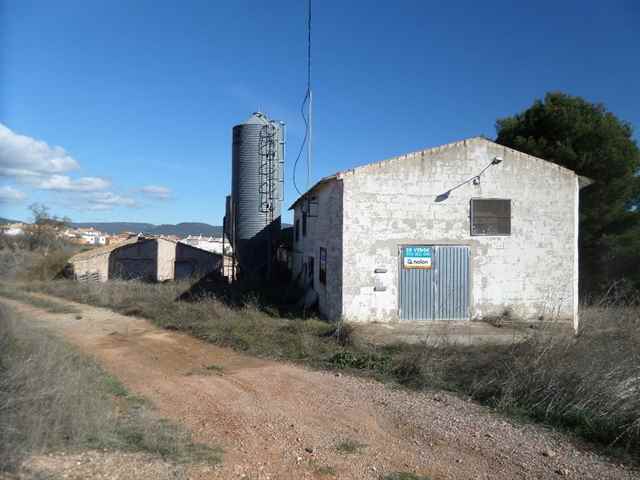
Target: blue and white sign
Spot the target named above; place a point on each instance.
(418, 257)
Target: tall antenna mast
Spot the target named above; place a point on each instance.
(306, 107)
(310, 94)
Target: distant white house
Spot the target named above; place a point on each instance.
(13, 229)
(97, 238)
(86, 236)
(210, 244)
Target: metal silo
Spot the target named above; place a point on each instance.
(257, 192)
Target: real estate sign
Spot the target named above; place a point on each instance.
(418, 257)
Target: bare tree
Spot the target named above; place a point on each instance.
(46, 230)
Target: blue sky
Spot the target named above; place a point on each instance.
(122, 111)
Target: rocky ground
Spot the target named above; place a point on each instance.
(102, 465)
(281, 421)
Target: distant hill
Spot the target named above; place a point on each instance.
(181, 229)
(117, 227)
(6, 220)
(189, 228)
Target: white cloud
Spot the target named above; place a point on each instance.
(9, 194)
(38, 165)
(109, 200)
(62, 183)
(23, 156)
(156, 191)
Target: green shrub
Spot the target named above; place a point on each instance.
(350, 446)
(405, 476)
(362, 361)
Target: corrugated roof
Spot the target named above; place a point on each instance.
(107, 249)
(96, 252)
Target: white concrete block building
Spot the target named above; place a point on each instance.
(464, 231)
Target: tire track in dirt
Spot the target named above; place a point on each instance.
(281, 421)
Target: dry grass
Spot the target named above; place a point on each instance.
(25, 260)
(13, 260)
(47, 266)
(589, 384)
(52, 306)
(52, 398)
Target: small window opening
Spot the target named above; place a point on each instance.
(322, 272)
(310, 271)
(490, 217)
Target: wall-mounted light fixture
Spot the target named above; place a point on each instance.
(475, 179)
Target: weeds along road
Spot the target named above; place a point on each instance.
(281, 421)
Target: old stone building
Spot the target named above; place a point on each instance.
(144, 258)
(468, 230)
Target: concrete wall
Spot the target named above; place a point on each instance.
(532, 272)
(324, 229)
(96, 267)
(199, 262)
(135, 261)
(166, 259)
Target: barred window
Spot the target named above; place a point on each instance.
(490, 217)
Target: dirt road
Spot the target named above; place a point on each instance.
(280, 421)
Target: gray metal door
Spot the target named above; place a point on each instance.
(434, 282)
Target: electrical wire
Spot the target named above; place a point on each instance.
(305, 102)
(304, 141)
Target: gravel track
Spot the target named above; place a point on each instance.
(276, 420)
